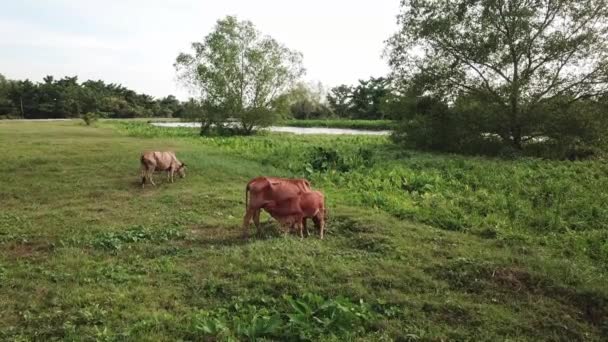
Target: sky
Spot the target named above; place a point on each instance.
(135, 42)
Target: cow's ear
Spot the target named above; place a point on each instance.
(183, 165)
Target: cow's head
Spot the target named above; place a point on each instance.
(181, 170)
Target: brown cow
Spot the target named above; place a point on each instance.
(262, 190)
(294, 211)
(160, 161)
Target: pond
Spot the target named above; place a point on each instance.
(286, 129)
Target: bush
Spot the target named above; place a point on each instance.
(90, 118)
(558, 129)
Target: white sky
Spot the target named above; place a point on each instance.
(135, 42)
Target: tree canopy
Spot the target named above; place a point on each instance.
(67, 98)
(520, 62)
(362, 101)
(239, 73)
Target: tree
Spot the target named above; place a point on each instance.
(339, 100)
(6, 105)
(239, 73)
(307, 101)
(514, 56)
(363, 101)
(367, 97)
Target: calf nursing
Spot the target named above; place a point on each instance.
(294, 211)
(289, 201)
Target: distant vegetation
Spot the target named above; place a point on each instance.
(493, 78)
(374, 125)
(365, 101)
(67, 98)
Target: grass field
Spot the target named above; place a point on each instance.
(419, 246)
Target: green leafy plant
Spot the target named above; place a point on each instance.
(90, 118)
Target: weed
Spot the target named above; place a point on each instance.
(116, 240)
(304, 318)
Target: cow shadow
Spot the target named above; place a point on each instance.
(205, 235)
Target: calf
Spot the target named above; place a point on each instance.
(160, 161)
(294, 211)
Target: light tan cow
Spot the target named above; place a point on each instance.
(160, 161)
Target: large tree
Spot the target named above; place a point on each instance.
(517, 57)
(239, 73)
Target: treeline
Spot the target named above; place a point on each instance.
(363, 101)
(67, 98)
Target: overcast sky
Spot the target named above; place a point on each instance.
(135, 42)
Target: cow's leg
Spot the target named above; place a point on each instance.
(150, 173)
(249, 214)
(315, 220)
(246, 220)
(256, 220)
(305, 227)
(321, 223)
(285, 227)
(143, 177)
(171, 173)
(148, 176)
(300, 228)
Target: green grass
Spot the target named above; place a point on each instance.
(374, 125)
(419, 246)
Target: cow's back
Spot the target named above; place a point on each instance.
(265, 189)
(157, 160)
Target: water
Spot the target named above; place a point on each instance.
(285, 129)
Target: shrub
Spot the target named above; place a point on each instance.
(90, 118)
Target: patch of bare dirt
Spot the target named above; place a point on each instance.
(33, 249)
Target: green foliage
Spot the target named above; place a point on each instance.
(90, 118)
(363, 101)
(306, 101)
(510, 60)
(305, 318)
(7, 107)
(66, 98)
(574, 130)
(372, 125)
(116, 240)
(239, 73)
